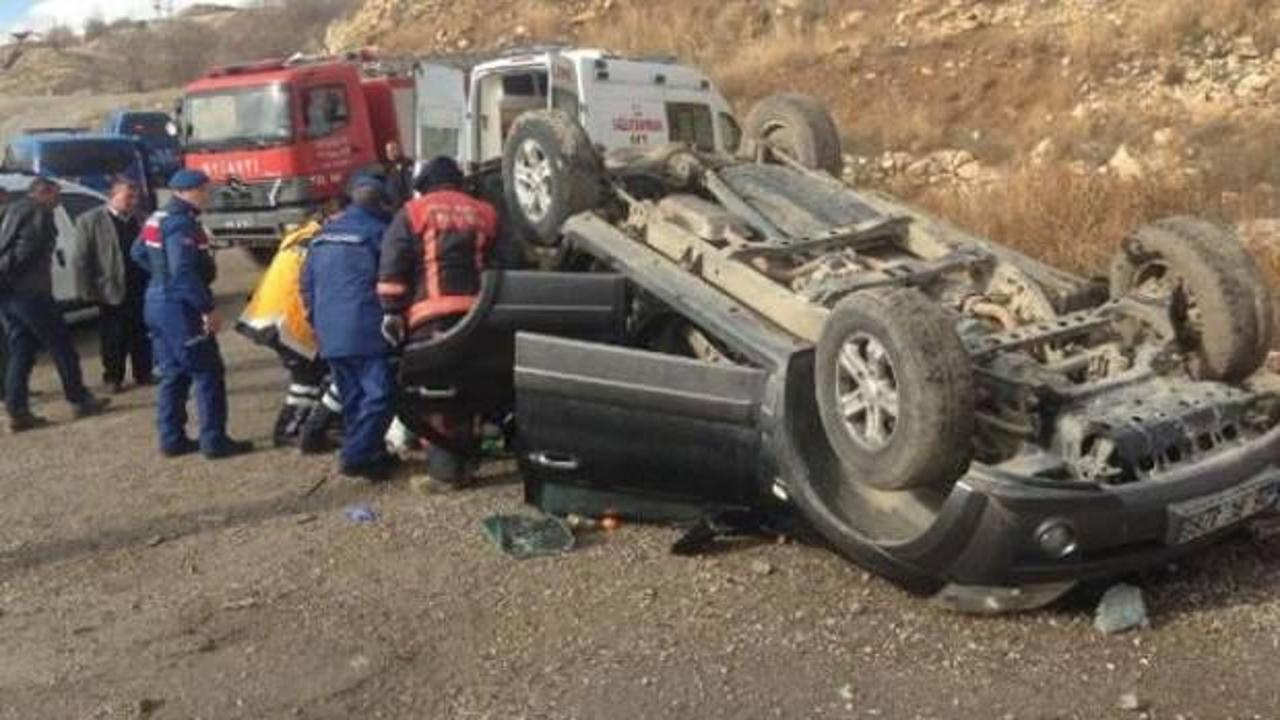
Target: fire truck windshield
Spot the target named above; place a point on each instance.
(237, 118)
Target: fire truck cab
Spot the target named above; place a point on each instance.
(280, 138)
(467, 111)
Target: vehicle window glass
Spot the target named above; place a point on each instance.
(84, 158)
(151, 127)
(77, 204)
(19, 158)
(730, 132)
(242, 117)
(327, 110)
(691, 123)
(520, 85)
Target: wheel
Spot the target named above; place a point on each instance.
(799, 126)
(261, 256)
(550, 172)
(895, 390)
(1229, 317)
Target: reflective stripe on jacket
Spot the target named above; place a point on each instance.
(434, 254)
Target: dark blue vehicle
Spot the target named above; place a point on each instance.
(159, 138)
(89, 160)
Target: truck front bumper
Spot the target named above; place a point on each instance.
(255, 228)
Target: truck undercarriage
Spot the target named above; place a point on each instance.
(943, 409)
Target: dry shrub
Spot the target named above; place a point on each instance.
(543, 21)
(742, 47)
(1095, 44)
(1169, 24)
(1070, 220)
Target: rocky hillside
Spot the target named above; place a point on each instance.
(993, 111)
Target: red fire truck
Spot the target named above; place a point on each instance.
(280, 138)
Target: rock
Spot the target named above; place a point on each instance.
(852, 19)
(1253, 84)
(1273, 362)
(1131, 702)
(1246, 49)
(1121, 609)
(148, 706)
(846, 692)
(761, 567)
(1163, 137)
(1043, 152)
(1125, 165)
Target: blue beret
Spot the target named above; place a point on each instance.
(188, 180)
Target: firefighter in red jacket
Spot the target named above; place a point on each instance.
(433, 256)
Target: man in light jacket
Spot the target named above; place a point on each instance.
(106, 277)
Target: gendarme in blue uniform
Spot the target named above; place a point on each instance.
(174, 249)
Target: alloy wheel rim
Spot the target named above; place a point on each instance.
(532, 170)
(867, 392)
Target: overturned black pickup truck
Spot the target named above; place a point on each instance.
(979, 427)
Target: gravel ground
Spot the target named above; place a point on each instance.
(135, 587)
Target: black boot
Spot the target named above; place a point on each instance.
(287, 426)
(313, 436)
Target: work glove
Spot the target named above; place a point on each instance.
(393, 329)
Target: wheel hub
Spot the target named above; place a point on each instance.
(867, 384)
(532, 171)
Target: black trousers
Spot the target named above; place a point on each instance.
(124, 341)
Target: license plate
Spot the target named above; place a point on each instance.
(1194, 519)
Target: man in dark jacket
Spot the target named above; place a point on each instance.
(399, 171)
(184, 322)
(105, 276)
(28, 238)
(339, 289)
(433, 257)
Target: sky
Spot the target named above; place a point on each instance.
(40, 14)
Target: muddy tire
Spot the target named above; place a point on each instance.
(895, 390)
(550, 172)
(1229, 330)
(800, 126)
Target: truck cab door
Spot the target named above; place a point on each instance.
(612, 429)
(442, 113)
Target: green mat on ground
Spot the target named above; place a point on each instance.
(522, 537)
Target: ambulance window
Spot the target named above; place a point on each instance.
(524, 85)
(691, 123)
(730, 132)
(327, 110)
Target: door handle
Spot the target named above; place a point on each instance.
(62, 259)
(555, 461)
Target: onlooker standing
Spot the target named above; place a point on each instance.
(106, 277)
(399, 169)
(28, 237)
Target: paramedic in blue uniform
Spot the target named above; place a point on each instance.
(183, 322)
(339, 289)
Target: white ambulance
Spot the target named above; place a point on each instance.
(468, 111)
